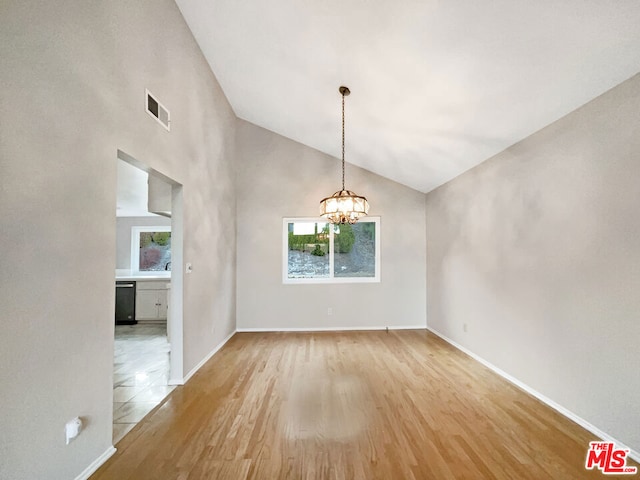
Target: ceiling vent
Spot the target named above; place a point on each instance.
(157, 110)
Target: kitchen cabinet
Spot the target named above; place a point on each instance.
(151, 300)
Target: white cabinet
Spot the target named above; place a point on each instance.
(151, 300)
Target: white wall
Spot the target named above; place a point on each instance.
(538, 251)
(280, 178)
(73, 81)
(123, 235)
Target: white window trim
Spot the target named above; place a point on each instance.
(331, 279)
(135, 248)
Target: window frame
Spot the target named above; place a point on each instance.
(135, 250)
(332, 279)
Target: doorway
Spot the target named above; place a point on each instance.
(148, 352)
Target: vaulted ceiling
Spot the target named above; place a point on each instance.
(437, 86)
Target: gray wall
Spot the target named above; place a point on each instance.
(538, 251)
(73, 79)
(123, 235)
(280, 178)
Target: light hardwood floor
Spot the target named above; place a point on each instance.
(349, 405)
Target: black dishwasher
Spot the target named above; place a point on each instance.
(125, 303)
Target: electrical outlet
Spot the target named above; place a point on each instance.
(330, 311)
(464, 327)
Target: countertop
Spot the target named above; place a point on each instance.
(128, 275)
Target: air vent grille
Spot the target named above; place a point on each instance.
(157, 110)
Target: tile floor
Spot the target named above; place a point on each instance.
(140, 375)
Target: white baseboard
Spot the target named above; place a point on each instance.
(97, 463)
(208, 357)
(175, 381)
(557, 407)
(331, 329)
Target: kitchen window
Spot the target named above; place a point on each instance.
(150, 250)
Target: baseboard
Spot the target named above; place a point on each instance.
(208, 357)
(557, 407)
(96, 464)
(152, 322)
(331, 329)
(176, 381)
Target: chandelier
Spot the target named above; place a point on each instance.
(344, 206)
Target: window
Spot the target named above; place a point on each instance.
(150, 249)
(315, 251)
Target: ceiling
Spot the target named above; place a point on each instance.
(437, 87)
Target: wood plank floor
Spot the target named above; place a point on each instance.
(349, 405)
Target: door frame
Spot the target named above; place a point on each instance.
(175, 293)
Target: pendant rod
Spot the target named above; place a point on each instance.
(344, 91)
(343, 141)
